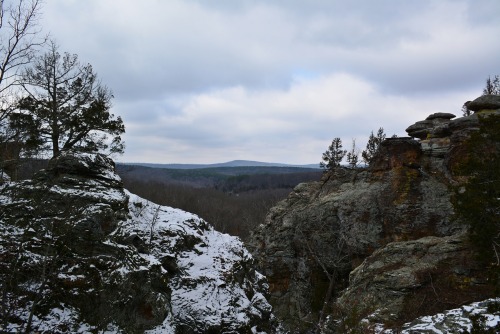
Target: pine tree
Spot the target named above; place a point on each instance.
(333, 156)
(373, 145)
(66, 107)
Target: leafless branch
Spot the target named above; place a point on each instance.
(19, 40)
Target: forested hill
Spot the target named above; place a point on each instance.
(228, 179)
(233, 163)
(233, 199)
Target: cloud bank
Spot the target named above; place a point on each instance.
(204, 82)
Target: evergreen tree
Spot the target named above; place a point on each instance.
(66, 107)
(372, 146)
(333, 156)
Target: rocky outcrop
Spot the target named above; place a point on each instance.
(80, 254)
(486, 102)
(416, 277)
(479, 317)
(329, 227)
(385, 238)
(435, 125)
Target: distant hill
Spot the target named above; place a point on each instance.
(221, 176)
(233, 163)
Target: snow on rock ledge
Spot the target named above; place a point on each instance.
(80, 254)
(213, 282)
(480, 317)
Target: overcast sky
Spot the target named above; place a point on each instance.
(199, 81)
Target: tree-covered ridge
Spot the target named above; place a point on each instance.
(233, 199)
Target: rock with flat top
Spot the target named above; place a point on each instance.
(435, 125)
(443, 115)
(485, 102)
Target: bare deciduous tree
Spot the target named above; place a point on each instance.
(465, 110)
(353, 155)
(333, 265)
(19, 42)
(492, 86)
(20, 38)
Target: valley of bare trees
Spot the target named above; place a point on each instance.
(233, 204)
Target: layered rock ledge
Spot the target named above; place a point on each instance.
(380, 243)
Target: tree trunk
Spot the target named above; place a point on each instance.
(55, 146)
(328, 296)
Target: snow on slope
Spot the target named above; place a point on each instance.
(479, 317)
(80, 254)
(201, 293)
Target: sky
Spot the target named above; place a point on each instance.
(199, 81)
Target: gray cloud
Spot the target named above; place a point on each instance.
(276, 81)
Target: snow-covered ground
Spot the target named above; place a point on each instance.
(216, 283)
(479, 317)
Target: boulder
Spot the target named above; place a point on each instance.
(436, 147)
(440, 115)
(485, 102)
(435, 125)
(420, 129)
(402, 280)
(478, 317)
(73, 167)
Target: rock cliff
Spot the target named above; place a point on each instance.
(79, 254)
(378, 245)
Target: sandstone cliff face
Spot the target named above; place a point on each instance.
(385, 236)
(79, 254)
